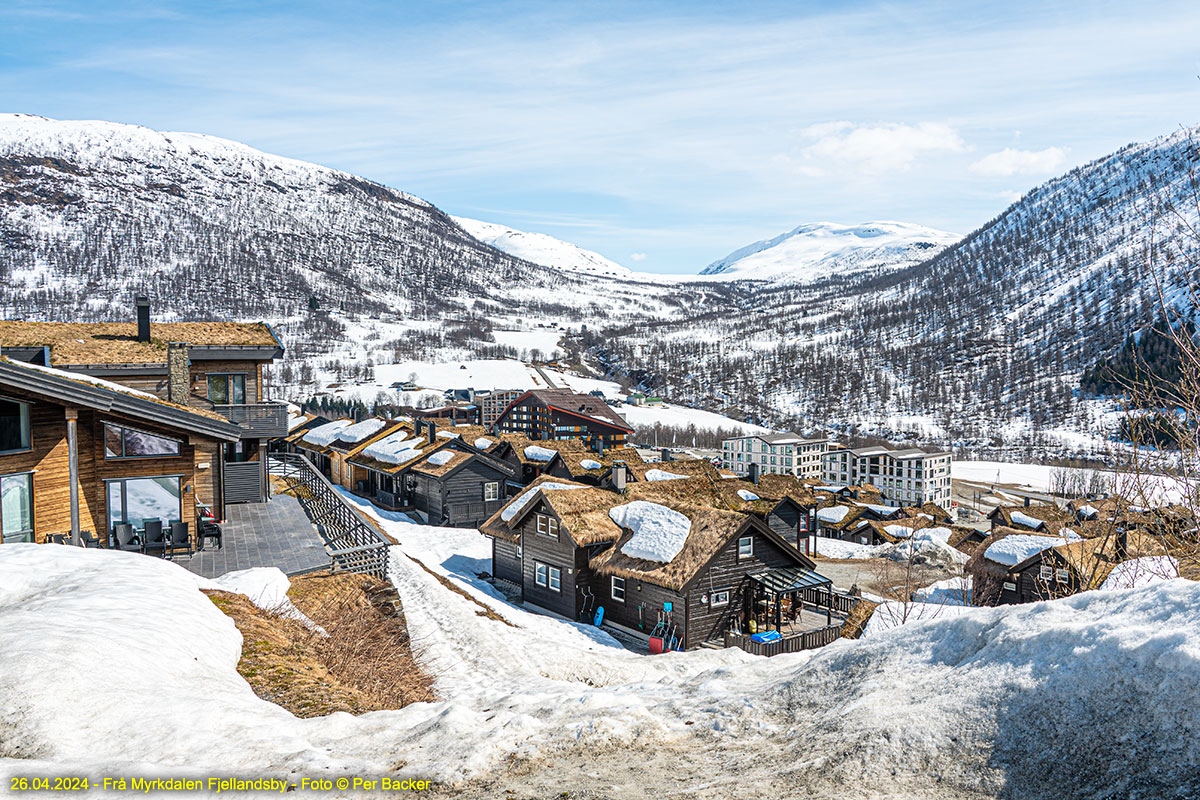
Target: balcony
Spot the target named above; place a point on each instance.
(258, 420)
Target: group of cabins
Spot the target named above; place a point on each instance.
(903, 477)
(105, 424)
(1041, 551)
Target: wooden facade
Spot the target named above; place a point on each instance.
(55, 403)
(553, 414)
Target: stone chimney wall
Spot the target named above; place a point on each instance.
(179, 378)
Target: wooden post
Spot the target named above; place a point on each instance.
(73, 470)
(829, 604)
(264, 474)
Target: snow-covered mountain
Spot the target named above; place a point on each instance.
(819, 250)
(540, 248)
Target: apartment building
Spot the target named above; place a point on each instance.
(492, 404)
(776, 454)
(908, 477)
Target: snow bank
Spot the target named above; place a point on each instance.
(440, 458)
(954, 591)
(662, 475)
(395, 448)
(747, 495)
(1139, 572)
(354, 434)
(1012, 550)
(892, 614)
(838, 549)
(324, 435)
(513, 508)
(535, 453)
(659, 532)
(267, 588)
(833, 514)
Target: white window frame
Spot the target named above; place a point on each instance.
(555, 579)
(547, 526)
(1010, 586)
(1046, 573)
(541, 573)
(745, 547)
(718, 598)
(491, 491)
(1062, 575)
(617, 589)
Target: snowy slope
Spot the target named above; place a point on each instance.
(539, 248)
(958, 705)
(821, 250)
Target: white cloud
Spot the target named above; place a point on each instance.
(886, 147)
(637, 256)
(1020, 162)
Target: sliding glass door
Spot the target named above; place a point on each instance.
(135, 500)
(16, 507)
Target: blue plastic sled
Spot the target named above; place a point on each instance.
(599, 616)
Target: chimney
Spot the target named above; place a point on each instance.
(142, 302)
(179, 379)
(664, 455)
(1027, 502)
(754, 473)
(431, 430)
(618, 476)
(598, 445)
(1122, 548)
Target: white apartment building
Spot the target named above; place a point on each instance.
(904, 477)
(776, 453)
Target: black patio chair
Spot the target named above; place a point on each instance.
(209, 530)
(124, 537)
(180, 539)
(89, 539)
(153, 540)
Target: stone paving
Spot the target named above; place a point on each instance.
(273, 534)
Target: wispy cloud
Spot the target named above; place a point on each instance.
(637, 256)
(1021, 162)
(881, 148)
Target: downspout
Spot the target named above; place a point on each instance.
(73, 471)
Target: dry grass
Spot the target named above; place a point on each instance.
(117, 342)
(856, 620)
(364, 663)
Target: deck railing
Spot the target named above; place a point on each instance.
(354, 544)
(258, 420)
(807, 640)
(841, 603)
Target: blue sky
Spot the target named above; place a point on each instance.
(662, 135)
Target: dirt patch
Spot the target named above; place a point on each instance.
(483, 610)
(360, 660)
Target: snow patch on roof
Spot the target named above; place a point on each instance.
(659, 532)
(449, 435)
(662, 475)
(359, 431)
(324, 435)
(589, 463)
(1021, 518)
(1012, 550)
(395, 448)
(833, 514)
(747, 495)
(483, 443)
(440, 458)
(520, 501)
(535, 453)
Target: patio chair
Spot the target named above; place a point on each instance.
(124, 537)
(210, 529)
(153, 540)
(88, 539)
(180, 539)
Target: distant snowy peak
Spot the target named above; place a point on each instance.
(819, 250)
(539, 248)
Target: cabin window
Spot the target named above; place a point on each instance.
(1009, 586)
(618, 590)
(547, 576)
(491, 491)
(16, 507)
(746, 547)
(1062, 575)
(122, 442)
(720, 598)
(135, 500)
(14, 426)
(539, 573)
(803, 521)
(555, 579)
(1046, 573)
(547, 525)
(227, 389)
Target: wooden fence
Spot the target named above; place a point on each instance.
(808, 640)
(353, 543)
